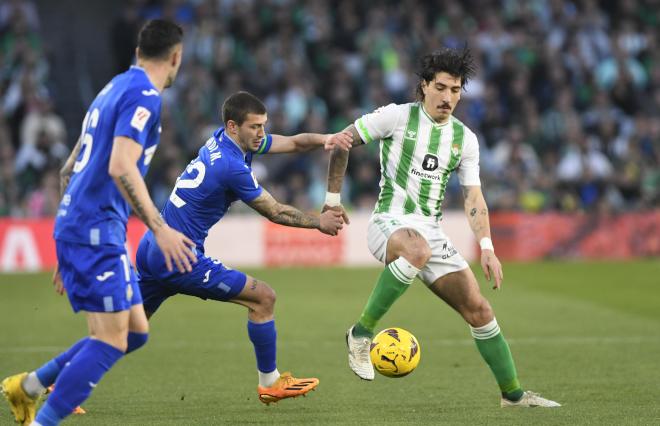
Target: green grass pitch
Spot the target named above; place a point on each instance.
(584, 334)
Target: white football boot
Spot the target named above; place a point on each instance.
(358, 355)
(529, 399)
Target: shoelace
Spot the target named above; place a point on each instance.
(287, 379)
(363, 351)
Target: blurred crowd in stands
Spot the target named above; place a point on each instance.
(566, 100)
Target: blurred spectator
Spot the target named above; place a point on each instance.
(565, 101)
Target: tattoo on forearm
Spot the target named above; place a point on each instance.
(337, 169)
(138, 208)
(290, 216)
(473, 211)
(253, 286)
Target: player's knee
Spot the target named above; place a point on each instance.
(418, 254)
(266, 301)
(269, 299)
(479, 313)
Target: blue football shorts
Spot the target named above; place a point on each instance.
(209, 279)
(97, 278)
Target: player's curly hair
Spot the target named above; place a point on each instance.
(458, 63)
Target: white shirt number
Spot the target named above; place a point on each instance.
(188, 183)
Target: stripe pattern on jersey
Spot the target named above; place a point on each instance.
(400, 152)
(456, 150)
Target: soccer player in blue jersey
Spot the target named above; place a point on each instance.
(220, 175)
(103, 178)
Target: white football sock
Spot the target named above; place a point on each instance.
(32, 386)
(266, 380)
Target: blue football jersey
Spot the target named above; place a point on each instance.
(218, 176)
(92, 210)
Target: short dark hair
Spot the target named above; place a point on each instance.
(239, 105)
(457, 63)
(157, 38)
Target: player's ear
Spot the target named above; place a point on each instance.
(175, 59)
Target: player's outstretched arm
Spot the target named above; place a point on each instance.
(477, 214)
(307, 141)
(329, 222)
(176, 247)
(336, 172)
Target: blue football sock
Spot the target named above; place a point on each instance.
(47, 416)
(136, 341)
(47, 373)
(264, 338)
(85, 370)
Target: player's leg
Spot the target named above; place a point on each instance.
(259, 299)
(405, 251)
(76, 382)
(460, 290)
(138, 328)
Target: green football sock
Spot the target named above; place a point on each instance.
(392, 283)
(495, 351)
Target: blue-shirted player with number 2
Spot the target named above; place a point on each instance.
(220, 175)
(102, 177)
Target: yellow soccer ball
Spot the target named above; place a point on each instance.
(395, 352)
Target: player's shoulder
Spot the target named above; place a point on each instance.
(136, 87)
(468, 134)
(393, 109)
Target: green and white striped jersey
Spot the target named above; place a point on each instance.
(417, 155)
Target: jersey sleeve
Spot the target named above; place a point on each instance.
(137, 115)
(243, 183)
(378, 124)
(266, 143)
(468, 168)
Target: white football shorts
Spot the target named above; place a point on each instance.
(444, 257)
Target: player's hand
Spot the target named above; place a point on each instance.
(177, 249)
(57, 280)
(330, 222)
(340, 209)
(492, 268)
(341, 140)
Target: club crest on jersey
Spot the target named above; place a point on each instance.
(455, 149)
(430, 162)
(140, 118)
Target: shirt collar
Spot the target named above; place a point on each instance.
(433, 122)
(221, 135)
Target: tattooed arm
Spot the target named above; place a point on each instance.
(477, 214)
(336, 172)
(329, 222)
(124, 171)
(67, 169)
(339, 161)
(476, 211)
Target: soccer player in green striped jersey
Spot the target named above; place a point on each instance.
(421, 144)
